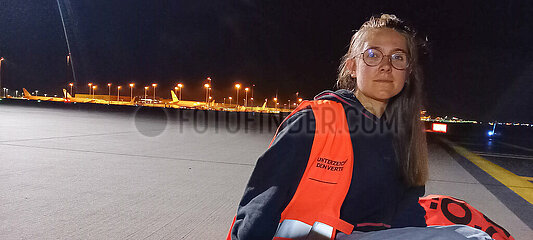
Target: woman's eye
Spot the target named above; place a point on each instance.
(398, 57)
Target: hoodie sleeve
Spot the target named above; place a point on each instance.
(409, 212)
(275, 179)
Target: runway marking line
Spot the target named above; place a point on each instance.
(517, 184)
(515, 146)
(499, 155)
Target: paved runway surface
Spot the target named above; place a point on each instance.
(80, 174)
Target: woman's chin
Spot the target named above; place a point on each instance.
(383, 96)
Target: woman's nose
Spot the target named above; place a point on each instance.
(385, 65)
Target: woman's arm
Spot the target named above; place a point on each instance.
(274, 179)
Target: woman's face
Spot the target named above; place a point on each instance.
(383, 81)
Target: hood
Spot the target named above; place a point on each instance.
(348, 98)
(342, 95)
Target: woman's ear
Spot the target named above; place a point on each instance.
(351, 67)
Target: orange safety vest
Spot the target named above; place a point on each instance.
(316, 204)
(314, 210)
(444, 210)
(315, 207)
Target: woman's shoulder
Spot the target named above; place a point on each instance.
(302, 116)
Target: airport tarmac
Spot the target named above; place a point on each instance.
(89, 174)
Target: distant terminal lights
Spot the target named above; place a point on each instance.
(512, 124)
(447, 119)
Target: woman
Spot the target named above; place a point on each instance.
(380, 94)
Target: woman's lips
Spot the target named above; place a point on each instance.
(383, 80)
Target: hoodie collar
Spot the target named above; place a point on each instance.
(348, 97)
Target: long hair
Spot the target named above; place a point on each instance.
(410, 140)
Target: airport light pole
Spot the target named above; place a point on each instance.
(109, 93)
(246, 98)
(230, 101)
(71, 85)
(145, 90)
(206, 86)
(252, 98)
(90, 87)
(131, 90)
(275, 102)
(1, 60)
(154, 85)
(94, 88)
(118, 93)
(36, 92)
(180, 86)
(210, 85)
(237, 86)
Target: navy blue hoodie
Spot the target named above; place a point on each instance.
(377, 192)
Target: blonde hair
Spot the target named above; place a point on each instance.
(410, 140)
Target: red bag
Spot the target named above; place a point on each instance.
(445, 210)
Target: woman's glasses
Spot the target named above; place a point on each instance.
(373, 57)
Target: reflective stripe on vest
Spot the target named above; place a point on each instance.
(315, 206)
(294, 229)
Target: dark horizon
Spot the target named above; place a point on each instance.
(480, 65)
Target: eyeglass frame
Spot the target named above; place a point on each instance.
(389, 57)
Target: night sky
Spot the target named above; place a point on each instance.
(480, 64)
